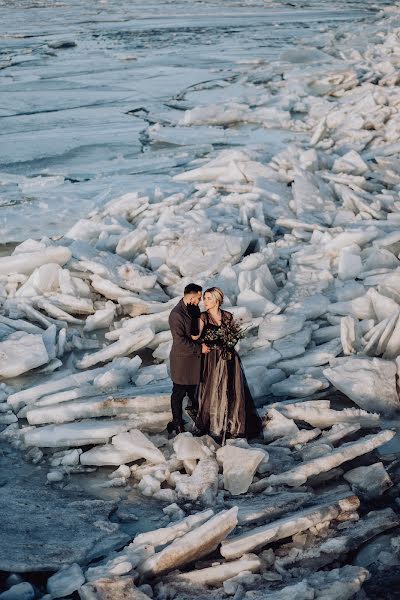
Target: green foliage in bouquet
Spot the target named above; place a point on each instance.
(224, 337)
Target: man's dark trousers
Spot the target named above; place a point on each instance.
(179, 391)
(185, 361)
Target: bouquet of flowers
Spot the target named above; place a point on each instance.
(225, 338)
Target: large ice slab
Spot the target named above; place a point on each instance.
(136, 440)
(21, 354)
(166, 535)
(326, 551)
(275, 327)
(27, 262)
(323, 416)
(265, 507)
(369, 382)
(239, 466)
(215, 575)
(208, 253)
(202, 485)
(57, 521)
(103, 406)
(78, 434)
(299, 474)
(108, 455)
(127, 344)
(124, 448)
(199, 542)
(32, 393)
(320, 355)
(259, 537)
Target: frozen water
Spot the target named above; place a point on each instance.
(204, 159)
(20, 591)
(86, 104)
(65, 581)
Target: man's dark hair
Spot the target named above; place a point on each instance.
(192, 288)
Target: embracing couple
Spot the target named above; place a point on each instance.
(205, 366)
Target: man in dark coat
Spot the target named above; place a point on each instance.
(185, 357)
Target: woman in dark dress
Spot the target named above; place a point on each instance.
(226, 408)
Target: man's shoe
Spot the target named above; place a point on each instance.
(196, 432)
(175, 427)
(192, 412)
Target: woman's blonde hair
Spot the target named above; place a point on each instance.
(216, 293)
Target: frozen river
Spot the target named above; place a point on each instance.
(260, 144)
(91, 93)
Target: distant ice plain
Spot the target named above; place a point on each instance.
(67, 142)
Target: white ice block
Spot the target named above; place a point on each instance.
(349, 263)
(371, 481)
(287, 526)
(78, 434)
(72, 304)
(215, 575)
(31, 394)
(369, 382)
(158, 320)
(165, 535)
(257, 304)
(275, 327)
(298, 386)
(134, 405)
(102, 318)
(135, 440)
(311, 307)
(299, 474)
(208, 252)
(125, 345)
(132, 243)
(261, 379)
(21, 355)
(321, 416)
(66, 581)
(320, 355)
(43, 280)
(188, 447)
(277, 425)
(239, 466)
(195, 544)
(29, 261)
(202, 485)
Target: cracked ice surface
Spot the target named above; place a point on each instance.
(87, 105)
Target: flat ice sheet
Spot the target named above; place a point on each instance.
(75, 118)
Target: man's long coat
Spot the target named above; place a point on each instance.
(185, 357)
